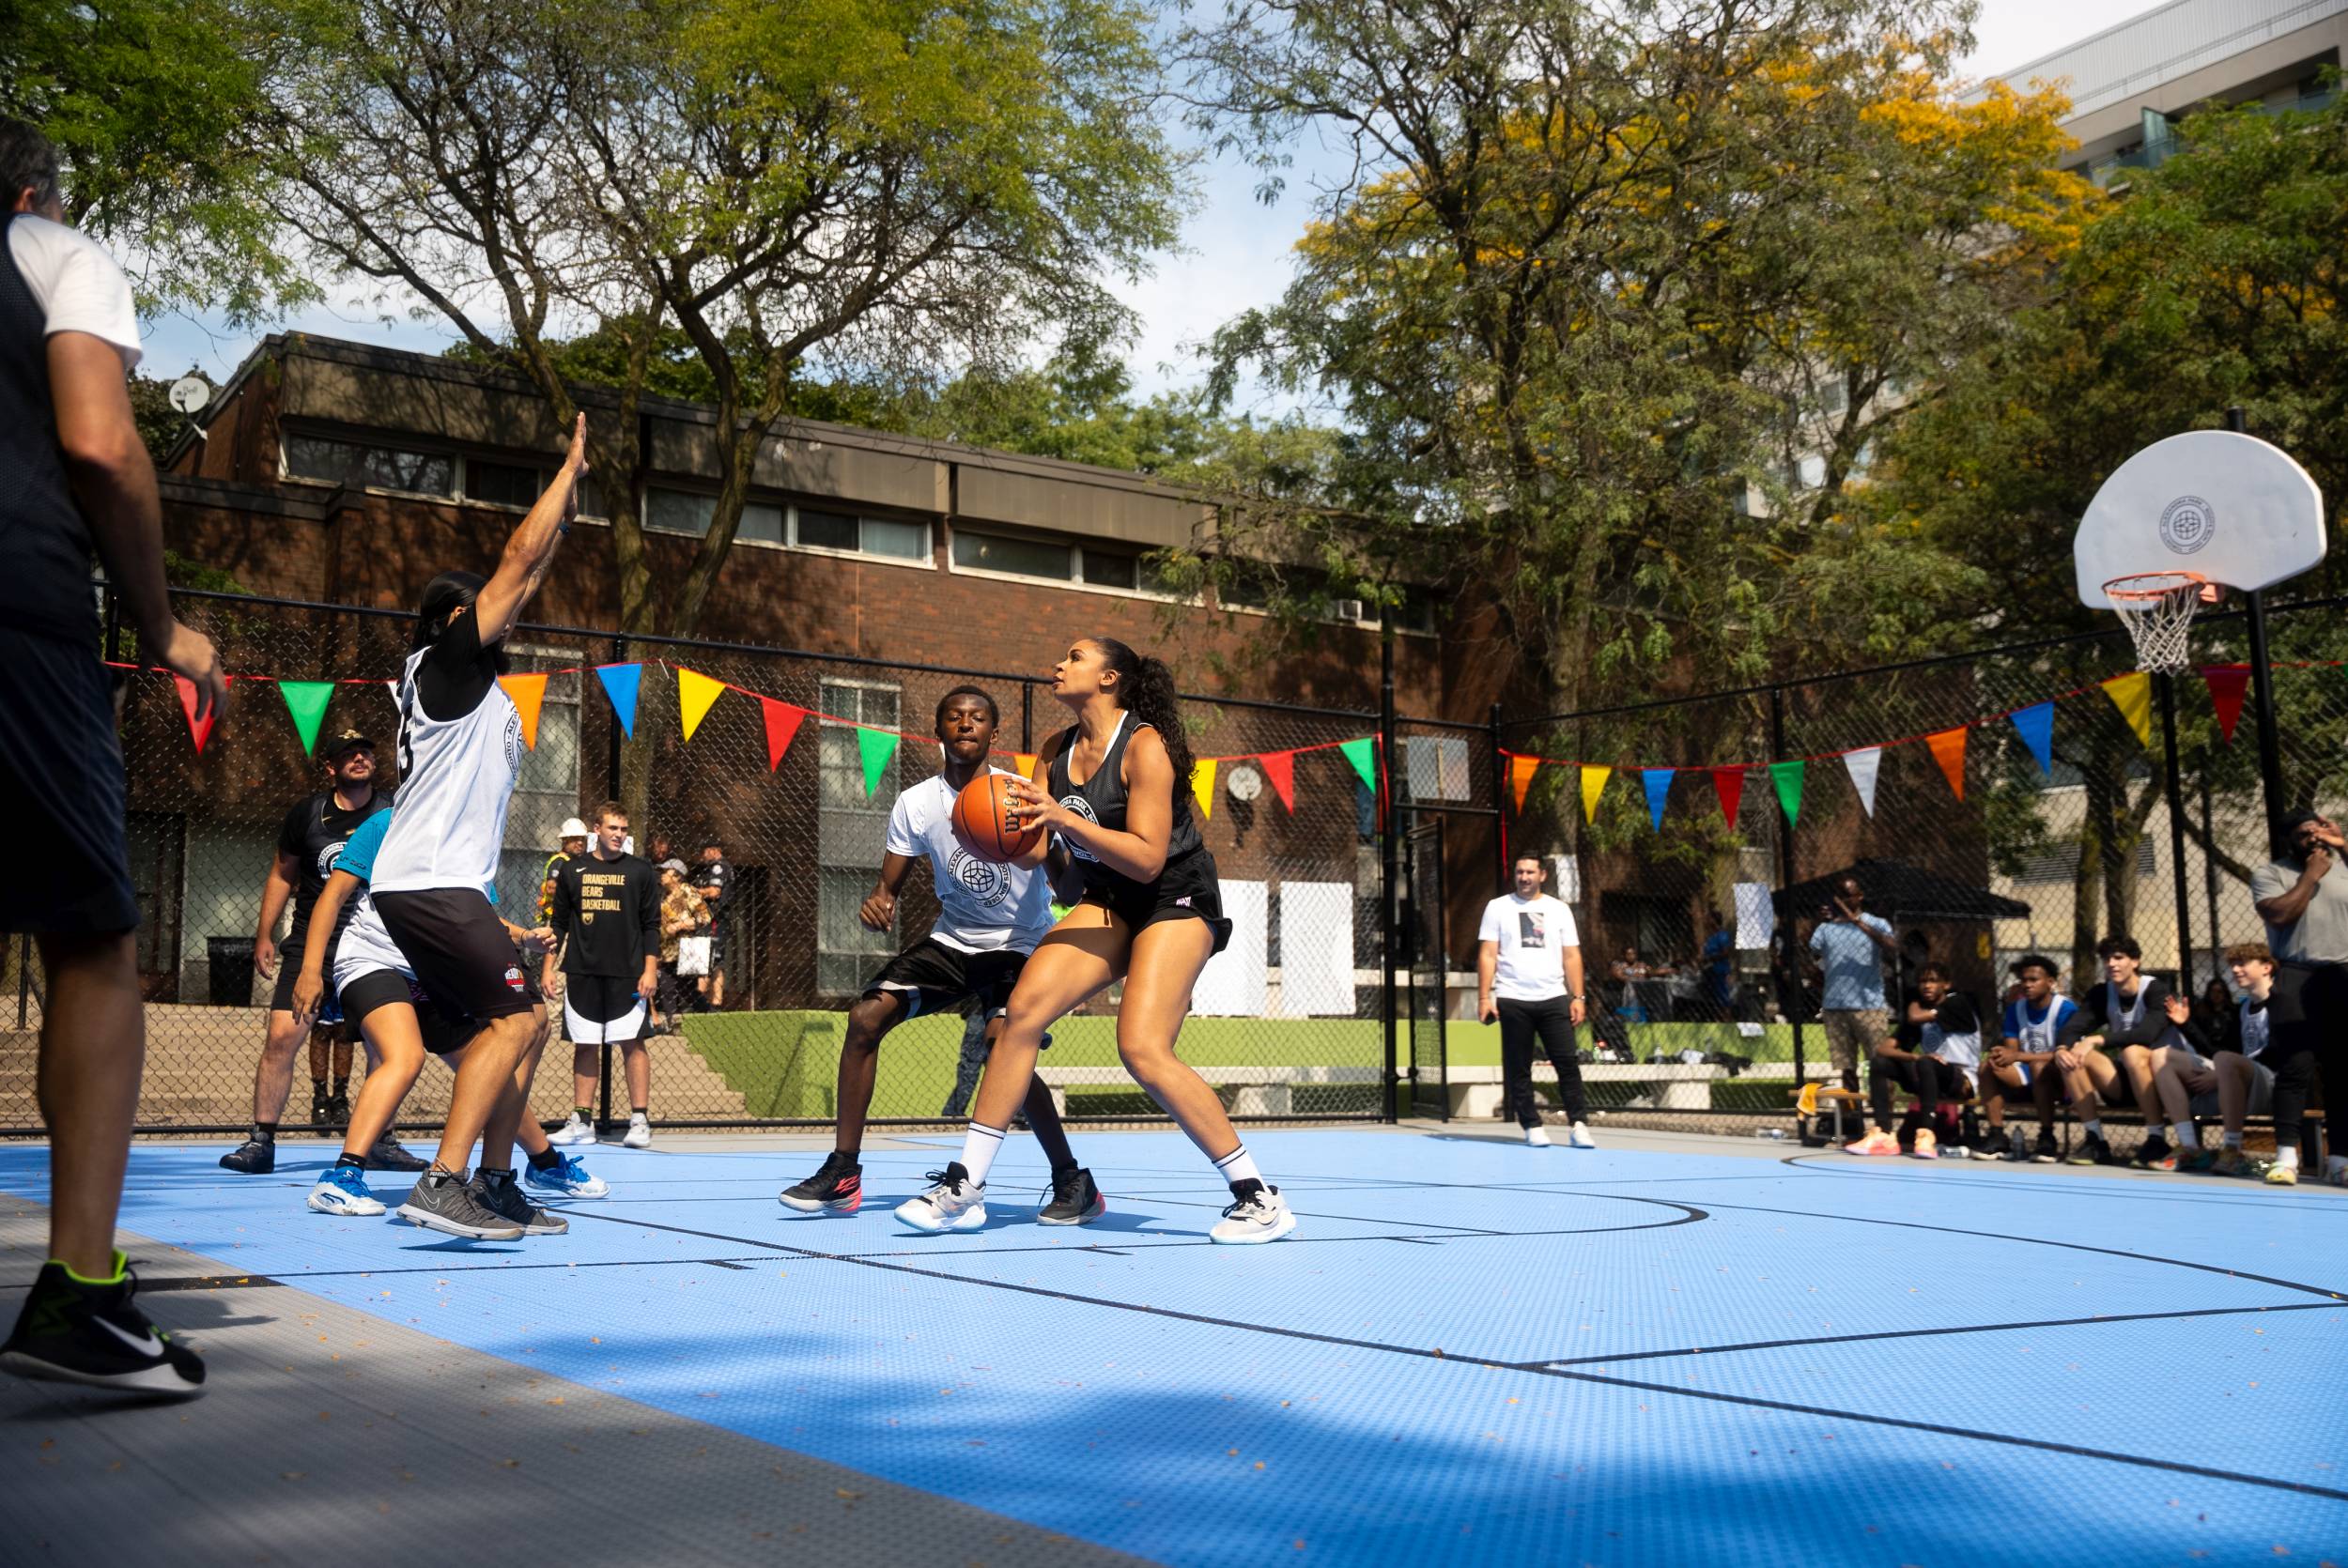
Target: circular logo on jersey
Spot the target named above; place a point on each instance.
(326, 857)
(514, 741)
(1082, 808)
(982, 880)
(2188, 525)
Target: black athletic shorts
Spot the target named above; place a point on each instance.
(601, 1009)
(289, 970)
(931, 977)
(459, 950)
(1187, 889)
(379, 987)
(61, 791)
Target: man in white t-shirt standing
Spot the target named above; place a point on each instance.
(1528, 975)
(75, 477)
(989, 918)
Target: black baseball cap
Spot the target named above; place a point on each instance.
(345, 744)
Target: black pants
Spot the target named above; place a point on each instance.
(2301, 1057)
(1550, 1024)
(1928, 1076)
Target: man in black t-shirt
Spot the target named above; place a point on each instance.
(607, 921)
(312, 834)
(714, 876)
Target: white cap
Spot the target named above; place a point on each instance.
(572, 828)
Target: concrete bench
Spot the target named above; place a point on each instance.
(1476, 1091)
(1255, 1091)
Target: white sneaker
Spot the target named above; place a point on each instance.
(953, 1203)
(568, 1179)
(1263, 1215)
(342, 1191)
(638, 1134)
(572, 1131)
(1537, 1136)
(1580, 1138)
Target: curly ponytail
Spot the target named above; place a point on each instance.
(1145, 688)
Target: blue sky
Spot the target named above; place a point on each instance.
(1235, 252)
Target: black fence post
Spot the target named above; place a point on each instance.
(2262, 691)
(2166, 685)
(1027, 715)
(1389, 933)
(1500, 805)
(1786, 879)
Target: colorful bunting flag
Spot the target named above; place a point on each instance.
(198, 730)
(1520, 772)
(1363, 755)
(529, 693)
(2037, 726)
(2133, 696)
(695, 692)
(2227, 683)
(783, 723)
(306, 701)
(1280, 767)
(1788, 778)
(1864, 765)
(876, 748)
(1948, 749)
(1026, 763)
(1202, 786)
(620, 683)
(1729, 784)
(1593, 785)
(1658, 783)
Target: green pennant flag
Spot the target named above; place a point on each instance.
(1363, 755)
(306, 701)
(877, 747)
(1787, 777)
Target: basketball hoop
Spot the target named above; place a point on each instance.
(2157, 608)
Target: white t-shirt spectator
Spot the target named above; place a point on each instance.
(981, 907)
(1530, 936)
(77, 284)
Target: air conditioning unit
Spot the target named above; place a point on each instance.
(1351, 609)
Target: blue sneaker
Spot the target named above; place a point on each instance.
(567, 1180)
(344, 1191)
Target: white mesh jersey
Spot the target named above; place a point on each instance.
(455, 780)
(365, 947)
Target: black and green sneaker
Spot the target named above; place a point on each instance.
(73, 1331)
(1076, 1201)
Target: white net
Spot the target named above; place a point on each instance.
(2157, 609)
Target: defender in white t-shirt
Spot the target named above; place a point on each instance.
(989, 918)
(1528, 975)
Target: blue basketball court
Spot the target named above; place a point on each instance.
(1472, 1351)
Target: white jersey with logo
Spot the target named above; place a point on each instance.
(981, 907)
(1530, 936)
(455, 780)
(2127, 1015)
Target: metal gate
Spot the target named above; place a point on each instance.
(1422, 924)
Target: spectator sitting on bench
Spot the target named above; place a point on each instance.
(2035, 1022)
(2264, 1063)
(2128, 1013)
(1933, 1053)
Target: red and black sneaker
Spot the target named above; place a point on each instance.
(835, 1188)
(1076, 1201)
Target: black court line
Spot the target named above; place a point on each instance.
(2157, 1194)
(1544, 1370)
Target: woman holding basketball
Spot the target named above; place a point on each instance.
(1114, 789)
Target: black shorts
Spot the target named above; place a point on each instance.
(931, 977)
(62, 792)
(289, 970)
(380, 987)
(459, 950)
(599, 1010)
(1187, 889)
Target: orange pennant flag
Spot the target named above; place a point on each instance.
(1948, 749)
(529, 693)
(1026, 763)
(1520, 772)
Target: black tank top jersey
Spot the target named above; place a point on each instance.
(1101, 799)
(44, 545)
(313, 833)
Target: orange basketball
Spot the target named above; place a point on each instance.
(982, 821)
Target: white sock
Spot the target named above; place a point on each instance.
(2095, 1129)
(2288, 1158)
(2234, 1137)
(979, 1147)
(1238, 1166)
(2188, 1135)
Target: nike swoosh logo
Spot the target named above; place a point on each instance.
(145, 1345)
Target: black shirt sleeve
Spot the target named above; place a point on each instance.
(565, 900)
(648, 908)
(293, 836)
(457, 672)
(1958, 1015)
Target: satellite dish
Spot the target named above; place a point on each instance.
(190, 392)
(1243, 783)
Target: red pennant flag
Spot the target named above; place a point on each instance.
(1729, 784)
(783, 723)
(1948, 749)
(2227, 683)
(199, 731)
(1280, 768)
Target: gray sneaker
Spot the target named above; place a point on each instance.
(501, 1196)
(449, 1205)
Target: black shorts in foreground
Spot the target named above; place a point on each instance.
(288, 971)
(380, 988)
(61, 791)
(462, 956)
(1187, 889)
(931, 978)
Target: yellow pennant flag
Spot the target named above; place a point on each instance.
(1593, 785)
(1026, 763)
(529, 693)
(1520, 772)
(695, 692)
(2133, 696)
(1202, 786)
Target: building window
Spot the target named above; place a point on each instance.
(686, 512)
(1025, 558)
(372, 468)
(502, 484)
(852, 825)
(885, 536)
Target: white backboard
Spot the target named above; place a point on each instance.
(2231, 507)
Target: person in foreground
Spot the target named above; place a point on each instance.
(78, 477)
(1115, 787)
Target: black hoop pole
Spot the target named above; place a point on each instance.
(2263, 690)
